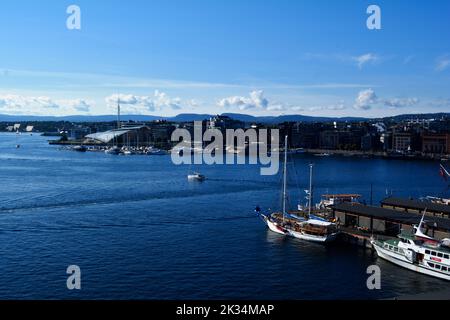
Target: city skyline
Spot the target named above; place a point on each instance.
(164, 58)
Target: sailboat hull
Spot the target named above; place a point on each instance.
(299, 235)
(275, 228)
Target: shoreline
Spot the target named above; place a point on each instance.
(377, 154)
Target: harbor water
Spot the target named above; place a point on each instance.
(138, 229)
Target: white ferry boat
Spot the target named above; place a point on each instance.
(417, 252)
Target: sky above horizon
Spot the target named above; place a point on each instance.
(266, 57)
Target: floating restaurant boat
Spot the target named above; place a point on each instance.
(417, 252)
(312, 228)
(329, 200)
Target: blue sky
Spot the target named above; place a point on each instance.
(166, 57)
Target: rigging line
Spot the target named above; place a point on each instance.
(296, 180)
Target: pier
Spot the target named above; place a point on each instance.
(358, 223)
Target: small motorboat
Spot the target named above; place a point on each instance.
(128, 153)
(155, 152)
(196, 177)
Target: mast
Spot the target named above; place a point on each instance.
(310, 198)
(285, 175)
(118, 112)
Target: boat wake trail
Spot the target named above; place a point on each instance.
(88, 202)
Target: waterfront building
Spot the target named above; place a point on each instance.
(416, 207)
(78, 132)
(401, 142)
(388, 222)
(370, 142)
(386, 141)
(133, 136)
(436, 143)
(329, 139)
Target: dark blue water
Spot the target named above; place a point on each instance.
(139, 230)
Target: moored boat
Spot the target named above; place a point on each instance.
(309, 228)
(417, 252)
(113, 150)
(79, 148)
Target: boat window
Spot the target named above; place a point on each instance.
(427, 252)
(446, 256)
(396, 249)
(440, 255)
(431, 265)
(438, 267)
(444, 269)
(433, 253)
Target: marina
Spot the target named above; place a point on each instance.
(124, 206)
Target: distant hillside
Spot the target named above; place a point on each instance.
(287, 118)
(424, 116)
(187, 117)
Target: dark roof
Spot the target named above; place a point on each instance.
(391, 215)
(417, 204)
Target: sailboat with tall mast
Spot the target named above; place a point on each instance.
(309, 229)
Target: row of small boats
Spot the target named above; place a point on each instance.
(115, 150)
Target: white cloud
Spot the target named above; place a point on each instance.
(443, 63)
(41, 105)
(365, 59)
(135, 104)
(256, 100)
(162, 100)
(79, 105)
(400, 103)
(297, 109)
(366, 99)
